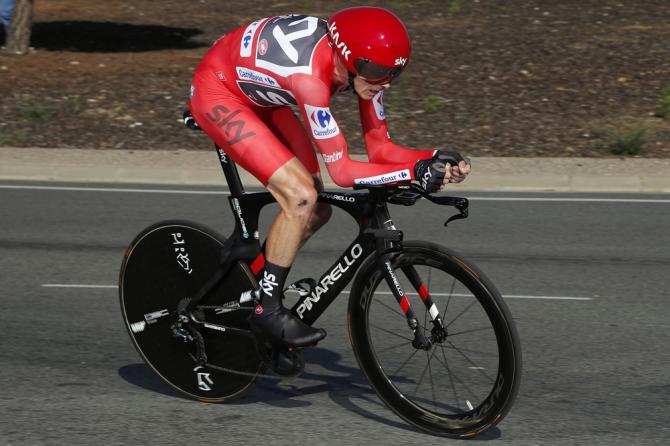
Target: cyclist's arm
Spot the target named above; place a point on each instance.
(313, 98)
(377, 139)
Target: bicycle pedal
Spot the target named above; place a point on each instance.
(285, 362)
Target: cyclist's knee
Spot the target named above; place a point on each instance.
(299, 199)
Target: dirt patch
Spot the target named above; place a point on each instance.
(528, 78)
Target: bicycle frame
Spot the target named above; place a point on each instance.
(377, 235)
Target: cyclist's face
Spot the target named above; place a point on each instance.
(366, 90)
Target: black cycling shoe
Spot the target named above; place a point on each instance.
(281, 327)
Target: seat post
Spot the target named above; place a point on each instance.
(230, 171)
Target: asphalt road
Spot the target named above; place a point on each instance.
(587, 279)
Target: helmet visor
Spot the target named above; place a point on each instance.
(376, 74)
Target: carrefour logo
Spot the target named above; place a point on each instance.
(321, 122)
(391, 177)
(321, 118)
(256, 76)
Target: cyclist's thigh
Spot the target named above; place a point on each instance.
(237, 128)
(290, 131)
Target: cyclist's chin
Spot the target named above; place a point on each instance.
(367, 94)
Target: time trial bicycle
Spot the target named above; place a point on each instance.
(430, 331)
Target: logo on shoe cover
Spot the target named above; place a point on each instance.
(268, 283)
(321, 122)
(258, 309)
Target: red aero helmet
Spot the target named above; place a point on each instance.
(371, 42)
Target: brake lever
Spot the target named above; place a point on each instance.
(462, 205)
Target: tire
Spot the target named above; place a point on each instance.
(152, 282)
(480, 358)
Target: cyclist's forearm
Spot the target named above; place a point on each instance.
(389, 152)
(346, 172)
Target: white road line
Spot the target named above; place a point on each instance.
(506, 296)
(113, 189)
(573, 199)
(226, 192)
(65, 285)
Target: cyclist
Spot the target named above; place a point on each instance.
(241, 95)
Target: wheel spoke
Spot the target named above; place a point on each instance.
(472, 351)
(470, 391)
(470, 331)
(432, 383)
(390, 332)
(451, 292)
(423, 374)
(390, 308)
(405, 363)
(461, 313)
(467, 358)
(385, 349)
(451, 380)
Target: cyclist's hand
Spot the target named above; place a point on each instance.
(460, 172)
(443, 168)
(431, 173)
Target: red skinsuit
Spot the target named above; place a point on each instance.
(246, 82)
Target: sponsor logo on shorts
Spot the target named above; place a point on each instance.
(391, 177)
(332, 157)
(256, 76)
(321, 122)
(248, 38)
(378, 102)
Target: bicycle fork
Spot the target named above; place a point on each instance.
(390, 241)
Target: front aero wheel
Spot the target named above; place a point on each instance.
(467, 381)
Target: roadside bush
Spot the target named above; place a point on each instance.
(629, 143)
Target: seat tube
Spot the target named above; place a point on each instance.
(230, 172)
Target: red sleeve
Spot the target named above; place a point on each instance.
(313, 98)
(377, 139)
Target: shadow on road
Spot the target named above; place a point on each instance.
(142, 376)
(110, 37)
(347, 386)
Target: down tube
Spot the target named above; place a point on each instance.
(309, 307)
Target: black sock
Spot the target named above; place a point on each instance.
(272, 285)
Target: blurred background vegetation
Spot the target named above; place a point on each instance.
(493, 78)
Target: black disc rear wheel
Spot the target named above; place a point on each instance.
(163, 268)
(467, 381)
